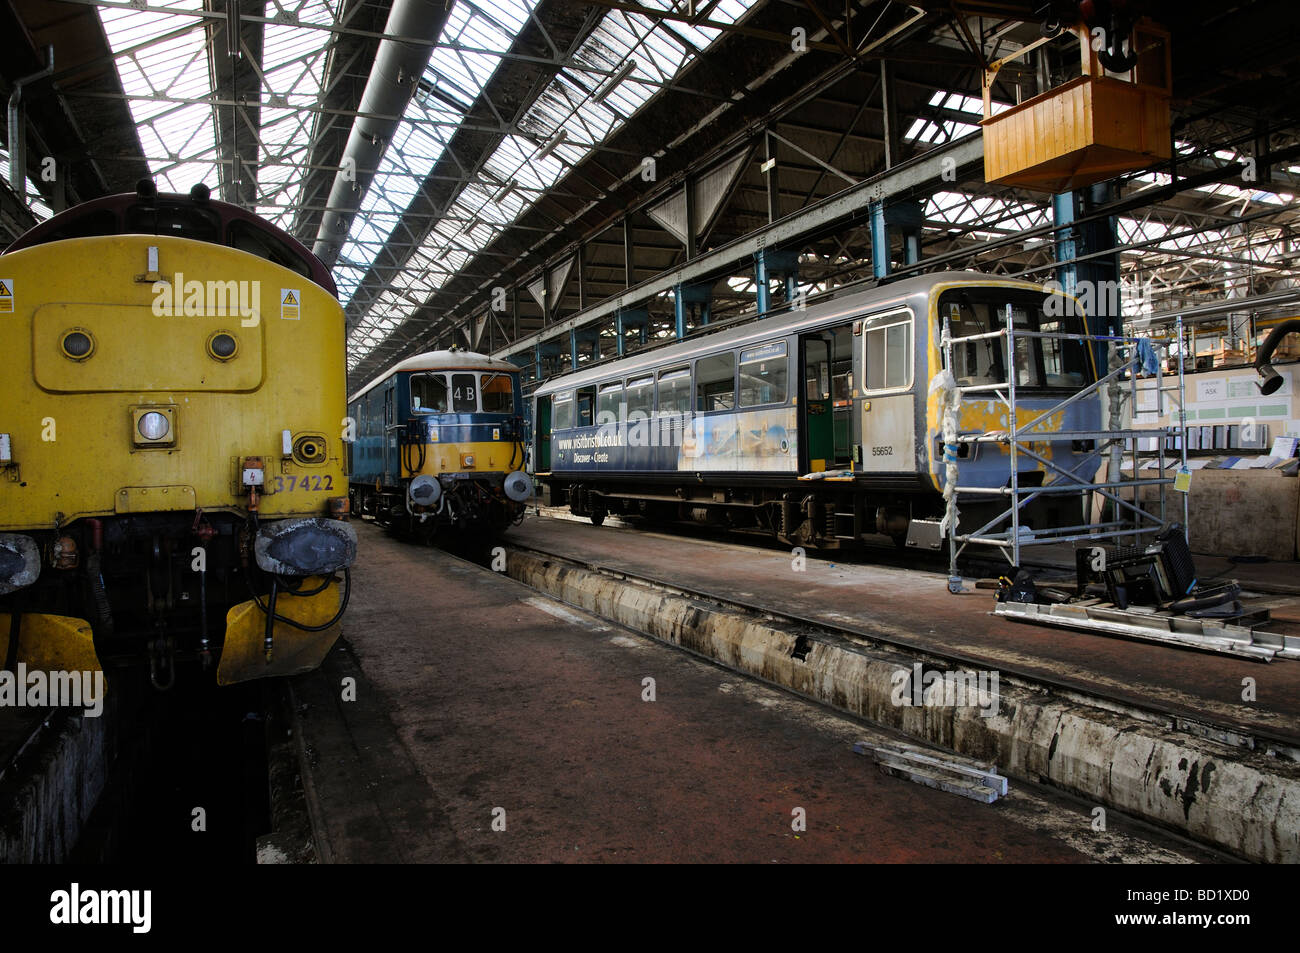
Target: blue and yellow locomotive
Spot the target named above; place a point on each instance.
(439, 444)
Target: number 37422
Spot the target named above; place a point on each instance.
(308, 483)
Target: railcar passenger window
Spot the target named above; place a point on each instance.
(428, 394)
(562, 418)
(464, 393)
(763, 372)
(889, 356)
(675, 391)
(607, 402)
(640, 397)
(498, 393)
(715, 383)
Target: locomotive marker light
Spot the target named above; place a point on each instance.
(77, 344)
(20, 562)
(311, 546)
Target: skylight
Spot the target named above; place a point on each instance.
(164, 60)
(621, 65)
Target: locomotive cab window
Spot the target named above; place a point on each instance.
(182, 221)
(498, 392)
(464, 393)
(763, 372)
(428, 394)
(1041, 363)
(257, 240)
(715, 383)
(675, 391)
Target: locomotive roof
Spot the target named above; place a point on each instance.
(441, 361)
(107, 215)
(845, 307)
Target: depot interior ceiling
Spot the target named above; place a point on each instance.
(516, 149)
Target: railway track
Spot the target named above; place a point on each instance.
(1219, 728)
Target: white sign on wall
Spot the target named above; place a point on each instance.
(1213, 389)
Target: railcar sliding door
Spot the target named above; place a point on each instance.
(827, 397)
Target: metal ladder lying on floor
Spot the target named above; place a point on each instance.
(1233, 635)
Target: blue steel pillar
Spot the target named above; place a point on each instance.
(760, 279)
(537, 363)
(618, 331)
(679, 311)
(1063, 215)
(573, 350)
(879, 241)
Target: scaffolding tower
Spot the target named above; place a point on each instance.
(1127, 517)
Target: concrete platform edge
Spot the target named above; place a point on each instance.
(48, 802)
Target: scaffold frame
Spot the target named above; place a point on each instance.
(1127, 518)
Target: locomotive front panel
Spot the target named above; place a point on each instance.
(166, 394)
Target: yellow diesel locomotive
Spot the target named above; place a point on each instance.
(171, 457)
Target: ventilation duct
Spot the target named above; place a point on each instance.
(399, 64)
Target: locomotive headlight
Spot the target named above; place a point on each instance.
(153, 425)
(518, 486)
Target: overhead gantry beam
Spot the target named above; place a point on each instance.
(922, 175)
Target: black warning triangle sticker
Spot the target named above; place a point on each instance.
(289, 298)
(5, 291)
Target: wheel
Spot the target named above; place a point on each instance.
(597, 517)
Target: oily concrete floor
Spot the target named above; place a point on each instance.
(477, 701)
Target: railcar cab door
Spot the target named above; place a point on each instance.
(888, 405)
(826, 360)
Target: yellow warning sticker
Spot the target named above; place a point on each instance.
(6, 295)
(290, 303)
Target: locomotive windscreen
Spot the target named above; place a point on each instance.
(1041, 363)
